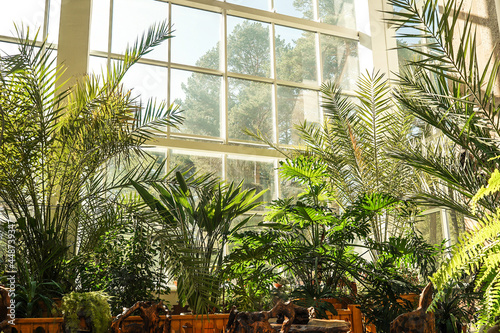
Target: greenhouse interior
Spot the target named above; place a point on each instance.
(249, 166)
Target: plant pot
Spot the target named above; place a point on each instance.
(44, 310)
(411, 297)
(338, 303)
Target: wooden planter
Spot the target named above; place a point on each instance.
(213, 323)
(413, 298)
(38, 325)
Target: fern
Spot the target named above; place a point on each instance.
(478, 255)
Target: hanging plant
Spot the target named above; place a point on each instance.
(93, 307)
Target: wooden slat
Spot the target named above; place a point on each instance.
(212, 324)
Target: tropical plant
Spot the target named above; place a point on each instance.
(403, 266)
(476, 258)
(247, 285)
(351, 148)
(32, 299)
(304, 239)
(124, 265)
(451, 88)
(195, 217)
(93, 306)
(456, 307)
(56, 144)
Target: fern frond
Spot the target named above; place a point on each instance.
(477, 254)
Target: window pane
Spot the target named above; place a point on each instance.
(196, 27)
(290, 189)
(8, 49)
(196, 162)
(259, 4)
(54, 18)
(249, 107)
(254, 174)
(147, 81)
(338, 12)
(199, 96)
(99, 26)
(159, 156)
(29, 13)
(118, 167)
(340, 60)
(301, 9)
(132, 18)
(295, 55)
(294, 106)
(431, 228)
(248, 47)
(97, 65)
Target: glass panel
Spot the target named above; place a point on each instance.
(196, 162)
(29, 13)
(132, 18)
(259, 4)
(199, 96)
(340, 60)
(196, 27)
(431, 228)
(254, 174)
(99, 26)
(456, 225)
(159, 155)
(248, 47)
(97, 65)
(294, 106)
(147, 81)
(295, 55)
(118, 167)
(8, 49)
(338, 12)
(300, 9)
(403, 39)
(250, 108)
(290, 189)
(54, 18)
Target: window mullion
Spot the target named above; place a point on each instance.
(225, 89)
(274, 95)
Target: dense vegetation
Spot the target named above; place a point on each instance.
(94, 211)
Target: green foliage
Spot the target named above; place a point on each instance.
(56, 143)
(31, 298)
(310, 295)
(477, 256)
(247, 286)
(456, 307)
(92, 305)
(250, 103)
(124, 265)
(195, 217)
(402, 267)
(304, 240)
(352, 144)
(450, 88)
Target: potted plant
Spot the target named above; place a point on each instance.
(195, 218)
(55, 145)
(88, 311)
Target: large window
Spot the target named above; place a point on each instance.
(234, 67)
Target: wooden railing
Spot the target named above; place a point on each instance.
(214, 323)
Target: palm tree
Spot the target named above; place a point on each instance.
(194, 218)
(447, 88)
(56, 145)
(352, 143)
